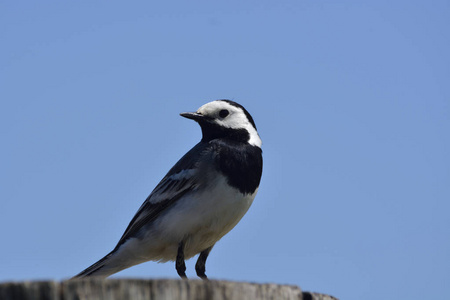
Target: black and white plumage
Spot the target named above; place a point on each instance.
(203, 196)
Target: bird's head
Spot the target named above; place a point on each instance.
(225, 119)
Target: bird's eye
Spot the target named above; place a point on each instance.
(223, 113)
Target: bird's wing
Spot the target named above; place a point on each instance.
(181, 179)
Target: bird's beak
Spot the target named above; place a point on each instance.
(193, 116)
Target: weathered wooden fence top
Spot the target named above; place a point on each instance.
(160, 289)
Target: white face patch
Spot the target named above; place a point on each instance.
(235, 119)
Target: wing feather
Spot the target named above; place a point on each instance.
(180, 180)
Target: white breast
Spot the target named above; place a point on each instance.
(199, 218)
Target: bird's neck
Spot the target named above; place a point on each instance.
(212, 132)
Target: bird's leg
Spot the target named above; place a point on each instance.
(201, 262)
(179, 264)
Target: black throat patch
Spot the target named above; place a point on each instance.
(241, 163)
(211, 131)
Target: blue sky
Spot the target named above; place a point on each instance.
(351, 99)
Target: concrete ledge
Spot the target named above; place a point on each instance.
(159, 289)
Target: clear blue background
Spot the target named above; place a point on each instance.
(351, 99)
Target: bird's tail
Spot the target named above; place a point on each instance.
(105, 267)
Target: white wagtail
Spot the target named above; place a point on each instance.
(200, 200)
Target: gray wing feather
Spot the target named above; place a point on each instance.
(180, 180)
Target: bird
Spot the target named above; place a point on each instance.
(202, 197)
